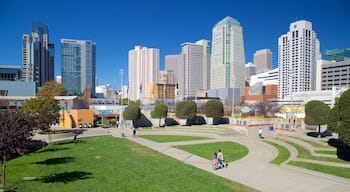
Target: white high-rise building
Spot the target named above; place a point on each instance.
(297, 54)
(227, 56)
(143, 70)
(263, 60)
(193, 74)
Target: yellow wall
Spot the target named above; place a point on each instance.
(65, 120)
(82, 116)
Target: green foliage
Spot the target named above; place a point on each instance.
(106, 121)
(124, 101)
(316, 113)
(214, 108)
(339, 117)
(186, 110)
(160, 111)
(52, 88)
(43, 110)
(333, 170)
(132, 112)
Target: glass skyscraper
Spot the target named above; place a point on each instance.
(227, 56)
(337, 54)
(78, 66)
(37, 55)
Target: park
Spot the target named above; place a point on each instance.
(170, 158)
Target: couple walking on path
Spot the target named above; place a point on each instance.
(218, 160)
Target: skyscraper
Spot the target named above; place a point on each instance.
(263, 60)
(171, 64)
(193, 73)
(37, 55)
(297, 54)
(337, 54)
(227, 56)
(78, 66)
(143, 70)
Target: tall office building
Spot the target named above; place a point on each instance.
(37, 55)
(78, 66)
(337, 54)
(171, 64)
(297, 54)
(227, 56)
(143, 70)
(263, 60)
(194, 72)
(250, 69)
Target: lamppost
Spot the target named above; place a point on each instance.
(121, 74)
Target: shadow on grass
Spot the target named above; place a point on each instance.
(66, 177)
(81, 141)
(53, 149)
(59, 160)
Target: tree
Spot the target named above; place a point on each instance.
(160, 111)
(316, 113)
(339, 117)
(15, 130)
(132, 112)
(186, 109)
(43, 110)
(52, 88)
(214, 108)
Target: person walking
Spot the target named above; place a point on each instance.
(260, 133)
(134, 132)
(221, 159)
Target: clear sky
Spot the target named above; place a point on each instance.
(117, 26)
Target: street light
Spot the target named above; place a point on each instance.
(121, 74)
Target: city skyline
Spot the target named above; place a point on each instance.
(117, 27)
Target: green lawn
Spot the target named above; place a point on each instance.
(326, 152)
(109, 164)
(338, 171)
(171, 138)
(232, 151)
(304, 153)
(283, 153)
(314, 144)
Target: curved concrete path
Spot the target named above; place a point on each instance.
(253, 170)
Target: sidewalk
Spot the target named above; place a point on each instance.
(254, 170)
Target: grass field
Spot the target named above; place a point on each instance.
(283, 153)
(314, 144)
(171, 138)
(109, 164)
(304, 153)
(232, 151)
(338, 171)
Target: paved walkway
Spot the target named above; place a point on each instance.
(253, 170)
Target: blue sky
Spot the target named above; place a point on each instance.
(117, 26)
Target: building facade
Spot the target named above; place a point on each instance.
(171, 64)
(263, 60)
(298, 51)
(337, 54)
(37, 55)
(194, 72)
(78, 66)
(143, 69)
(227, 56)
(250, 69)
(333, 74)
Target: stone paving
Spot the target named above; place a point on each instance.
(253, 170)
